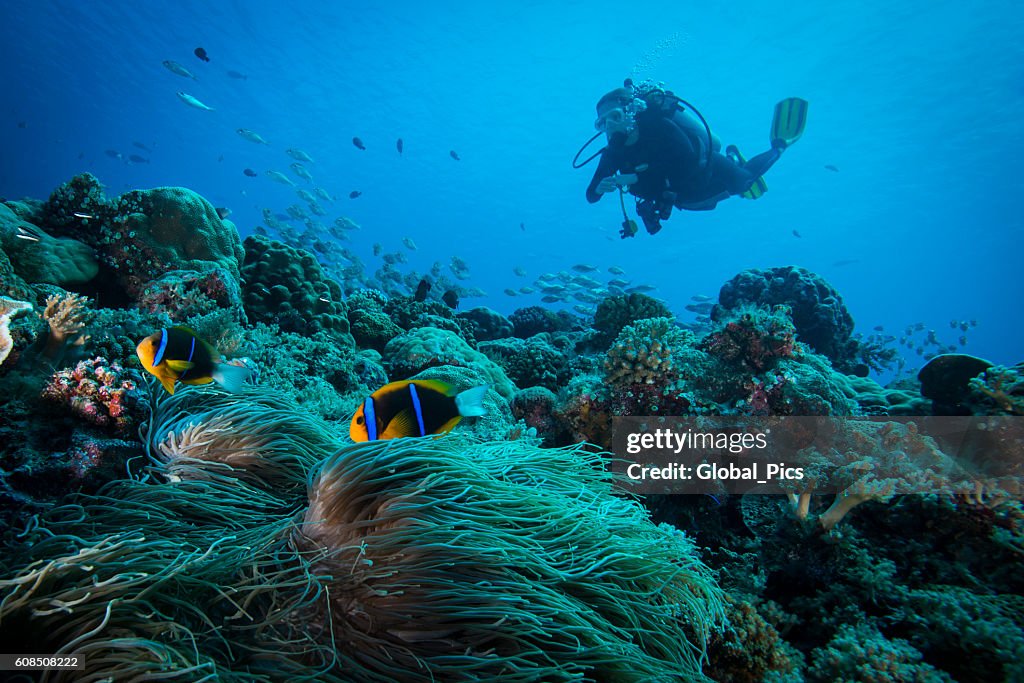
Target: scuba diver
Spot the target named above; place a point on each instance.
(662, 151)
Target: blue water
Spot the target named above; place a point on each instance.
(918, 105)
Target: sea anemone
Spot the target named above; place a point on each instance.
(445, 560)
(253, 434)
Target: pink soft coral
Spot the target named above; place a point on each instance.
(101, 393)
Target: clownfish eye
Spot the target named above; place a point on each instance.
(360, 420)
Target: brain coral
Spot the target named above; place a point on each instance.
(615, 312)
(818, 312)
(487, 324)
(371, 326)
(427, 347)
(529, 362)
(167, 228)
(44, 258)
(287, 287)
(408, 313)
(532, 320)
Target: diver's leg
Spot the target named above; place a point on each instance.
(759, 165)
(729, 176)
(736, 178)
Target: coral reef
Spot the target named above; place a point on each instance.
(487, 324)
(747, 649)
(8, 309)
(859, 652)
(286, 287)
(535, 406)
(163, 229)
(818, 312)
(871, 460)
(66, 316)
(102, 394)
(584, 411)
(642, 352)
(530, 362)
(409, 314)
(1002, 388)
(240, 536)
(371, 327)
(12, 285)
(316, 372)
(754, 338)
(42, 257)
(615, 312)
(427, 347)
(532, 320)
(75, 207)
(184, 294)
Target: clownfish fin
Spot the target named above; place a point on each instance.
(402, 424)
(168, 383)
(179, 366)
(449, 425)
(231, 377)
(437, 385)
(471, 401)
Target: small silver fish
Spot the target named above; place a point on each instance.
(301, 171)
(176, 68)
(251, 136)
(279, 177)
(409, 244)
(298, 155)
(193, 102)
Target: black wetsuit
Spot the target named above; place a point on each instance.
(671, 165)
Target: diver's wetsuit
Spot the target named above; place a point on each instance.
(675, 164)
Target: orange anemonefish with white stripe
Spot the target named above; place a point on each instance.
(178, 355)
(415, 407)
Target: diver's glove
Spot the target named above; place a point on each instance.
(629, 229)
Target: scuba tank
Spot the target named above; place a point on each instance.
(687, 118)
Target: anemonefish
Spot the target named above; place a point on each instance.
(415, 408)
(178, 355)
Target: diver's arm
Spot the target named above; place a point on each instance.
(606, 168)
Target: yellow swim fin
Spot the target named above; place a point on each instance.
(789, 121)
(759, 187)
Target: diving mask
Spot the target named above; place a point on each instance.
(612, 118)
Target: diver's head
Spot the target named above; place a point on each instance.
(616, 113)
